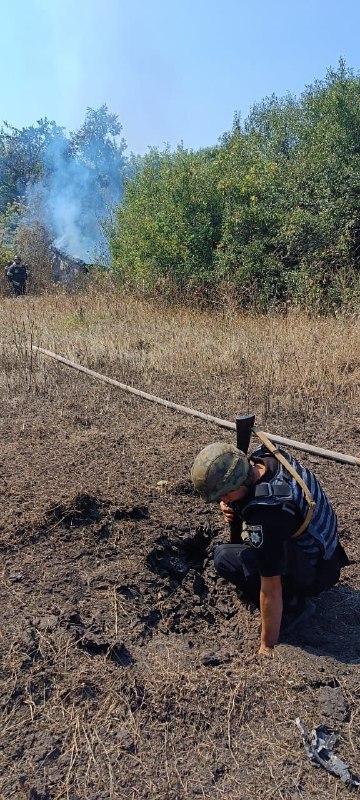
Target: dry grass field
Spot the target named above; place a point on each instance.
(129, 670)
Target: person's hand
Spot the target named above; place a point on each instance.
(265, 650)
(227, 511)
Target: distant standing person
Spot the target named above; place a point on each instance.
(17, 273)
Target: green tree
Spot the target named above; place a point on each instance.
(169, 225)
(96, 144)
(291, 191)
(23, 157)
(248, 254)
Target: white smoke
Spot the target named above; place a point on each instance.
(76, 196)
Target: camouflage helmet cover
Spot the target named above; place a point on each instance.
(218, 469)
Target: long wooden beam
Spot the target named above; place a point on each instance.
(223, 423)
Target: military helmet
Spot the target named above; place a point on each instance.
(218, 469)
(17, 260)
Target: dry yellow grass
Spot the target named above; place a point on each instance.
(292, 360)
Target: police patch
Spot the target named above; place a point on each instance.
(252, 535)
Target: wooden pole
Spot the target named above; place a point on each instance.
(309, 448)
(222, 423)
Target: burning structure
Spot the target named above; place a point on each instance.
(65, 268)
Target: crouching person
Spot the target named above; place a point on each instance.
(284, 546)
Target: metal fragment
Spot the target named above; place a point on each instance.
(319, 747)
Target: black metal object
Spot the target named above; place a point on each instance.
(244, 425)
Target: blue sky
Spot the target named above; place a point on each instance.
(172, 71)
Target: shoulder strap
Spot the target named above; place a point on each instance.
(309, 498)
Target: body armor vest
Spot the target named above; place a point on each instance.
(320, 537)
(17, 274)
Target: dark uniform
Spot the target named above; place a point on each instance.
(17, 274)
(262, 543)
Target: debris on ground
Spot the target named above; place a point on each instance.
(319, 747)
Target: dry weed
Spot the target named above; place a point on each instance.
(290, 361)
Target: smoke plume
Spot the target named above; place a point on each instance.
(82, 181)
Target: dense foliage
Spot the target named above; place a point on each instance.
(273, 212)
(170, 224)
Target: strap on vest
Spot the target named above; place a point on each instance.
(309, 498)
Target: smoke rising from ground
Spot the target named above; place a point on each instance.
(75, 208)
(81, 182)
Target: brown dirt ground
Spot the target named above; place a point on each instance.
(129, 669)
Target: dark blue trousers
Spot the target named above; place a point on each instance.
(238, 564)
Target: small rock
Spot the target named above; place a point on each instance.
(333, 705)
(15, 577)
